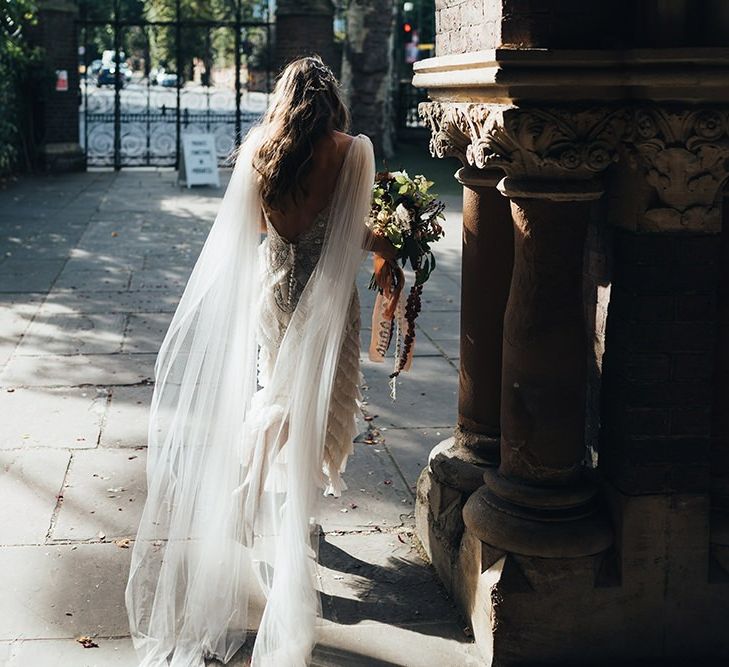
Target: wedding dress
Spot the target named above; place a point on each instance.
(285, 269)
(235, 469)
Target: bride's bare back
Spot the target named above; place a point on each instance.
(296, 217)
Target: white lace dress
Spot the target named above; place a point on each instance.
(285, 270)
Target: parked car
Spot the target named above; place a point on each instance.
(106, 77)
(167, 79)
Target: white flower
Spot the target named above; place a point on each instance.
(383, 215)
(403, 218)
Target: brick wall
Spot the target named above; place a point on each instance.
(658, 367)
(473, 25)
(298, 35)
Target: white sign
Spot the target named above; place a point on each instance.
(199, 160)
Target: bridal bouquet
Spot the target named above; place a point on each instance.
(407, 213)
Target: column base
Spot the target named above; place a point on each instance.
(455, 470)
(636, 602)
(546, 522)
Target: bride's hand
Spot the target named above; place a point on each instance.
(382, 247)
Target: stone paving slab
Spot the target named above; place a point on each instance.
(410, 448)
(140, 301)
(378, 576)
(426, 396)
(162, 278)
(146, 331)
(103, 496)
(127, 417)
(376, 644)
(20, 275)
(68, 653)
(93, 279)
(53, 592)
(440, 325)
(74, 333)
(68, 418)
(376, 494)
(450, 348)
(30, 483)
(72, 370)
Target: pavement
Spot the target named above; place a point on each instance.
(91, 268)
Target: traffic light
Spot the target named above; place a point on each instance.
(407, 32)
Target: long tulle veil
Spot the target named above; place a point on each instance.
(234, 472)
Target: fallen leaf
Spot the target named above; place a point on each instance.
(87, 642)
(132, 457)
(353, 505)
(388, 481)
(123, 543)
(115, 234)
(101, 535)
(399, 537)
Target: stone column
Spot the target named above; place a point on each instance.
(538, 502)
(457, 464)
(487, 263)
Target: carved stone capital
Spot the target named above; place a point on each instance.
(676, 158)
(528, 143)
(684, 156)
(447, 138)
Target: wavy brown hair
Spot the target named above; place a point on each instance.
(305, 106)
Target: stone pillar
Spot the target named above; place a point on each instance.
(539, 497)
(487, 262)
(457, 464)
(303, 28)
(56, 108)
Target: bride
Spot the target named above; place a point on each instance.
(257, 388)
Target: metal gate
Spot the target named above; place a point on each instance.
(152, 71)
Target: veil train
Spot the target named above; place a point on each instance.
(234, 473)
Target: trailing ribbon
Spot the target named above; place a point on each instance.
(389, 319)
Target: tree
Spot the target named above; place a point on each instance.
(17, 62)
(367, 70)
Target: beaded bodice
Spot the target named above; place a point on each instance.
(291, 264)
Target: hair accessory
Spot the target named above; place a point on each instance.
(324, 75)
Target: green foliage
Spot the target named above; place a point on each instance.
(407, 213)
(17, 60)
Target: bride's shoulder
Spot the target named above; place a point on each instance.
(345, 139)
